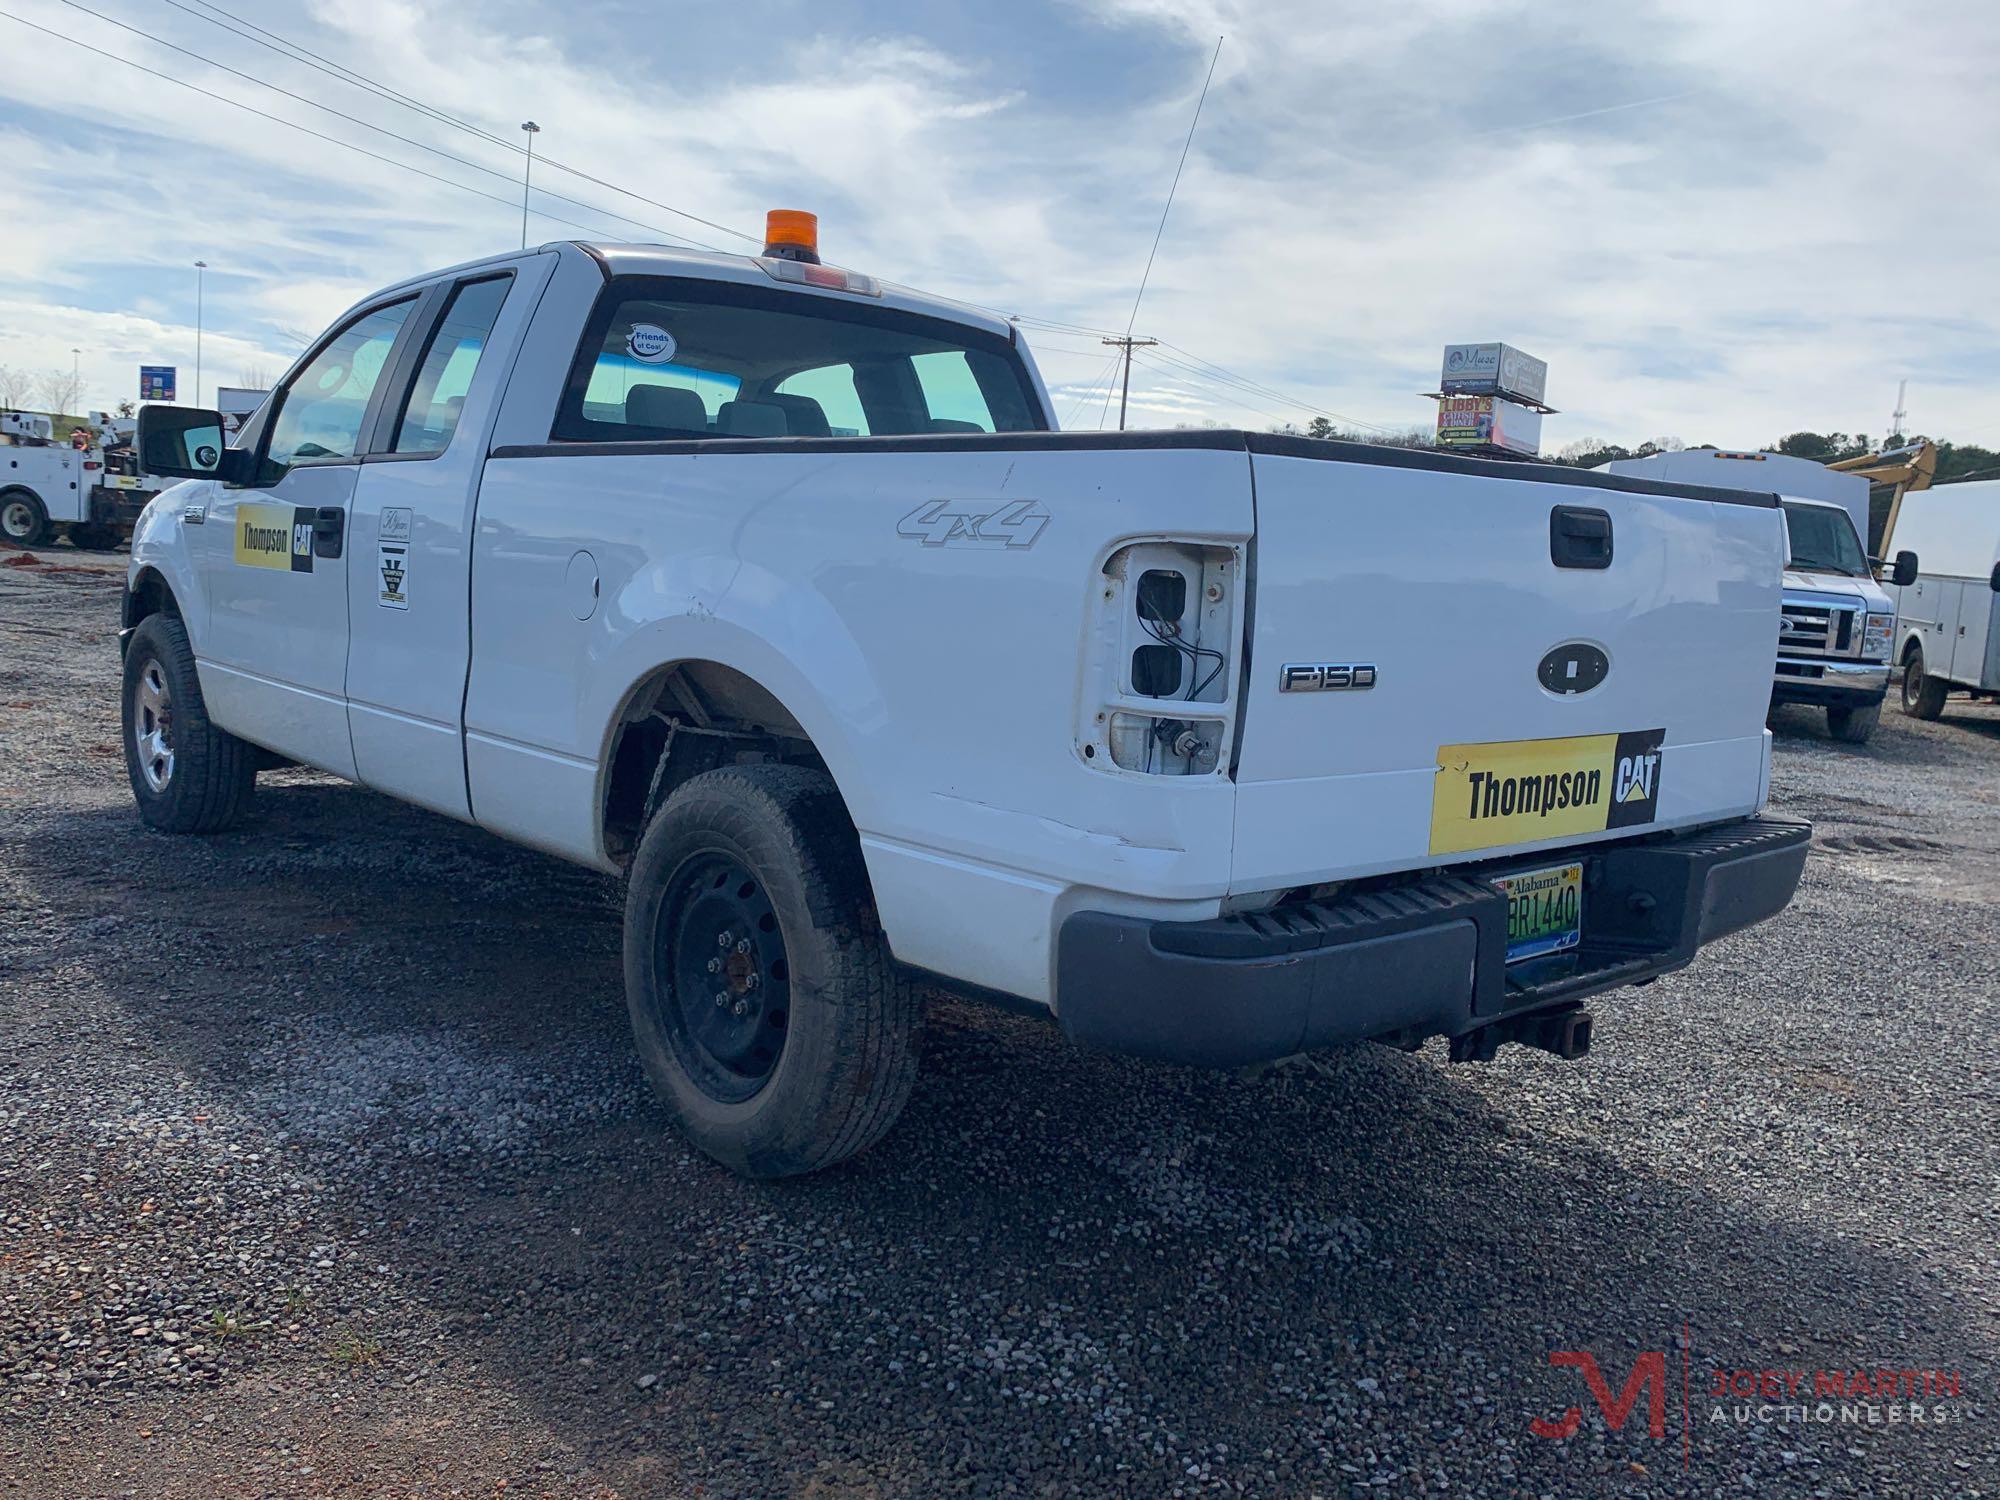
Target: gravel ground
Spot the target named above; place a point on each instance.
(326, 1168)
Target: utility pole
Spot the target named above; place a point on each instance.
(1896, 421)
(200, 267)
(527, 171)
(1128, 344)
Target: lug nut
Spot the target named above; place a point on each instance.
(743, 945)
(722, 938)
(751, 981)
(740, 1008)
(721, 1000)
(715, 966)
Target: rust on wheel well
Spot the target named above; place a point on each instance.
(684, 719)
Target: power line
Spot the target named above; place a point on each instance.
(1081, 397)
(1209, 369)
(367, 124)
(278, 119)
(354, 78)
(1125, 346)
(272, 41)
(1186, 146)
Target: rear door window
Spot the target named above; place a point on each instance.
(679, 358)
(430, 415)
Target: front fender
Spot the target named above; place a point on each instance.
(160, 546)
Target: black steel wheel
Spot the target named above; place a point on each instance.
(765, 1004)
(720, 961)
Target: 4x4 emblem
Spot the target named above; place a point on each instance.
(936, 523)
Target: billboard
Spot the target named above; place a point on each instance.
(156, 382)
(1488, 422)
(1494, 370)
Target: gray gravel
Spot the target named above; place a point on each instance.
(325, 1167)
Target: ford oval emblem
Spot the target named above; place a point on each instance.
(1573, 667)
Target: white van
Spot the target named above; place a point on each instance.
(1838, 622)
(1949, 635)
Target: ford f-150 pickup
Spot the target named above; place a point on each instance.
(773, 587)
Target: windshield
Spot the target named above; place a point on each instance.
(668, 358)
(1823, 540)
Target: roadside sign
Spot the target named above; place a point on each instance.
(1494, 370)
(156, 382)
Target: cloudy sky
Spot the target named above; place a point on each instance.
(1714, 219)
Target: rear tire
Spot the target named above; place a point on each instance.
(1923, 695)
(1852, 726)
(187, 775)
(23, 521)
(765, 1005)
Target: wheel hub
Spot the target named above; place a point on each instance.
(153, 726)
(723, 977)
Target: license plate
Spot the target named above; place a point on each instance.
(1544, 911)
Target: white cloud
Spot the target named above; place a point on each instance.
(1715, 220)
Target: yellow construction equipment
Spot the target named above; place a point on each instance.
(1892, 474)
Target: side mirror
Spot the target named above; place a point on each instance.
(1906, 570)
(185, 442)
(1994, 581)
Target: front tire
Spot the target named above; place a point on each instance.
(1923, 695)
(766, 1008)
(23, 521)
(1852, 726)
(187, 775)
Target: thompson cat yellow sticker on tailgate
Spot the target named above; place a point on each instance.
(1522, 791)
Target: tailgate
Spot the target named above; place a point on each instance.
(1516, 704)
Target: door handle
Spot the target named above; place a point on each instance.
(329, 527)
(1579, 537)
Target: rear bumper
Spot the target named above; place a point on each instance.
(1423, 959)
(1836, 684)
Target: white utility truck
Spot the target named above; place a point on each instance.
(1948, 639)
(49, 488)
(1835, 632)
(1215, 746)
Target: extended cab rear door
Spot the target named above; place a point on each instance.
(410, 531)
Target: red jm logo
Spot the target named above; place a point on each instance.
(1648, 1375)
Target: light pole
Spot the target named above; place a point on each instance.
(531, 130)
(200, 266)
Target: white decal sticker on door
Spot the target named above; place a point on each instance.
(393, 556)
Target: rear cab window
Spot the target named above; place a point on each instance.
(677, 358)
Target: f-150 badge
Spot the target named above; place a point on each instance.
(945, 523)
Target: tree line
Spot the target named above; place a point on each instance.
(1955, 460)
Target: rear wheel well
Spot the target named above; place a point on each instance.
(683, 720)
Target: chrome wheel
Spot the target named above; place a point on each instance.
(17, 520)
(153, 725)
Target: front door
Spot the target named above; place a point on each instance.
(274, 663)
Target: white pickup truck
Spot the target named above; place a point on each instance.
(774, 588)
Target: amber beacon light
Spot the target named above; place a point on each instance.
(792, 234)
